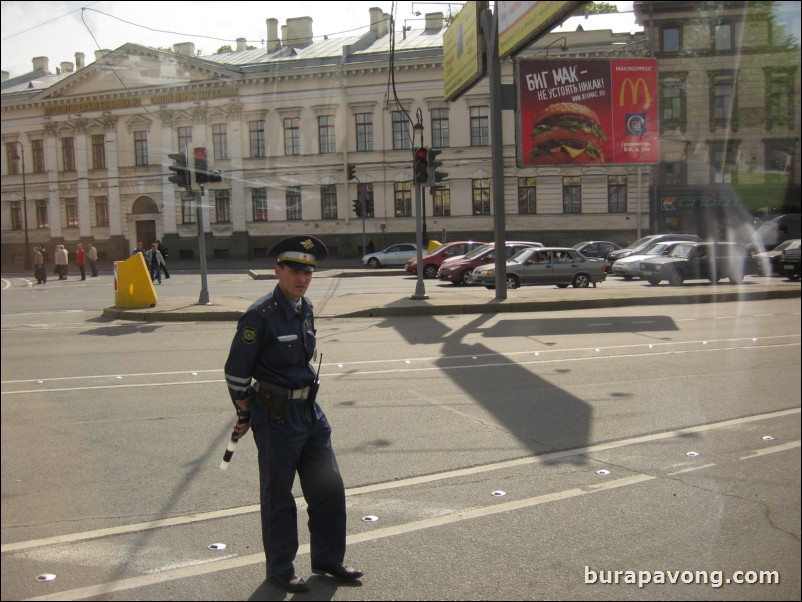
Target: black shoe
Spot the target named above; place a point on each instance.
(338, 571)
(289, 583)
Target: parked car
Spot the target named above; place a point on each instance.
(458, 269)
(432, 261)
(772, 230)
(394, 255)
(629, 267)
(789, 261)
(599, 249)
(767, 263)
(642, 245)
(560, 266)
(703, 260)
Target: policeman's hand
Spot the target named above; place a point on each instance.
(243, 423)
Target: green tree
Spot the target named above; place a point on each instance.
(598, 8)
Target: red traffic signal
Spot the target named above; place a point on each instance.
(421, 165)
(201, 166)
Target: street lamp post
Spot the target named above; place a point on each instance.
(27, 252)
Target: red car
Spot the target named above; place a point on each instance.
(432, 261)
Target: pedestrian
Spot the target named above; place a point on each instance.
(80, 260)
(62, 259)
(91, 255)
(164, 252)
(140, 248)
(39, 271)
(155, 263)
(273, 384)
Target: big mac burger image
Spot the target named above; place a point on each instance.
(567, 133)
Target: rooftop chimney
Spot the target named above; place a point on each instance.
(41, 62)
(66, 67)
(79, 60)
(240, 44)
(434, 21)
(99, 54)
(299, 32)
(185, 48)
(273, 43)
(5, 75)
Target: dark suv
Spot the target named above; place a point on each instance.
(642, 246)
(790, 259)
(702, 260)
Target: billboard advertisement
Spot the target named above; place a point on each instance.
(587, 111)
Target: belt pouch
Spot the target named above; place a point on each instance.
(275, 405)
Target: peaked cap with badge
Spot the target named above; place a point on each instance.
(299, 252)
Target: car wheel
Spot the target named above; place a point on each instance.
(466, 277)
(512, 281)
(430, 271)
(654, 281)
(676, 278)
(627, 277)
(581, 281)
(793, 277)
(373, 263)
(736, 277)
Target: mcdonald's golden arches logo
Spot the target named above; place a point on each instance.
(633, 90)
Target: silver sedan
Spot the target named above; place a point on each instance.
(559, 266)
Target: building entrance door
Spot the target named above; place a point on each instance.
(145, 232)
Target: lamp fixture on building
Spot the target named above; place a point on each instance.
(26, 255)
(563, 46)
(620, 46)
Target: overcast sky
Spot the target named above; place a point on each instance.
(57, 30)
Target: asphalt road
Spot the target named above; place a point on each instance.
(658, 440)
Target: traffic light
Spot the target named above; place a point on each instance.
(181, 169)
(351, 172)
(369, 207)
(201, 166)
(435, 177)
(357, 207)
(421, 165)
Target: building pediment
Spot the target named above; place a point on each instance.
(136, 68)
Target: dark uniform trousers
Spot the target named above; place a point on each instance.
(302, 443)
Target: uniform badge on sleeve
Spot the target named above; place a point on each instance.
(248, 335)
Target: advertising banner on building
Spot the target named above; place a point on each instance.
(586, 111)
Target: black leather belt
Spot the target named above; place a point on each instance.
(269, 388)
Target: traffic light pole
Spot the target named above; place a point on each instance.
(203, 299)
(420, 289)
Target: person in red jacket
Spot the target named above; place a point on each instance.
(80, 260)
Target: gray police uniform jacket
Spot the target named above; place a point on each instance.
(274, 343)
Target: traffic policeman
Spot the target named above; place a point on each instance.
(273, 384)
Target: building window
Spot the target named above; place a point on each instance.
(293, 196)
(403, 198)
(480, 126)
(68, 153)
(480, 195)
(722, 101)
(328, 201)
(102, 211)
(38, 152)
(441, 199)
(292, 136)
(12, 159)
(401, 137)
(723, 162)
(99, 151)
(71, 212)
(42, 215)
(141, 148)
(572, 195)
(779, 155)
(187, 208)
(671, 173)
(325, 132)
(16, 215)
(779, 98)
(222, 206)
(670, 38)
(220, 141)
(256, 130)
(440, 132)
(722, 37)
(672, 103)
(617, 194)
(364, 132)
(185, 139)
(259, 197)
(527, 195)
